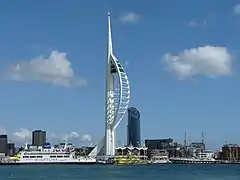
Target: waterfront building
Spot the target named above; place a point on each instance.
(230, 152)
(139, 152)
(200, 146)
(38, 138)
(159, 143)
(124, 151)
(3, 144)
(133, 128)
(117, 100)
(157, 155)
(173, 148)
(195, 148)
(11, 149)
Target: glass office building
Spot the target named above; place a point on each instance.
(3, 144)
(38, 138)
(133, 128)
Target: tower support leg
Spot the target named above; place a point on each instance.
(110, 118)
(110, 142)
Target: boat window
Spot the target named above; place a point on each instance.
(59, 156)
(52, 156)
(32, 156)
(25, 156)
(44, 153)
(66, 156)
(39, 156)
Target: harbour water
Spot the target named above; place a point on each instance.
(110, 172)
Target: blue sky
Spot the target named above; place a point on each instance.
(181, 58)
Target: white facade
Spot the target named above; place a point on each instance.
(117, 100)
(206, 155)
(50, 156)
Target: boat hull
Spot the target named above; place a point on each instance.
(45, 163)
(192, 161)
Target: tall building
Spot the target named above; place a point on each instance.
(11, 149)
(134, 130)
(117, 100)
(4, 144)
(38, 138)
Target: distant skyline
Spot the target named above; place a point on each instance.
(181, 58)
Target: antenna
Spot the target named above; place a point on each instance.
(65, 146)
(185, 144)
(203, 145)
(202, 138)
(185, 140)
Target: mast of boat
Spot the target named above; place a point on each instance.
(203, 148)
(26, 146)
(65, 145)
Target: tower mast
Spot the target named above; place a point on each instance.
(203, 145)
(116, 102)
(109, 111)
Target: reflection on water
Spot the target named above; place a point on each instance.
(110, 172)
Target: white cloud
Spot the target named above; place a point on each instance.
(202, 23)
(86, 137)
(129, 17)
(69, 136)
(74, 134)
(76, 139)
(236, 9)
(3, 130)
(195, 23)
(126, 63)
(51, 135)
(211, 61)
(55, 69)
(23, 134)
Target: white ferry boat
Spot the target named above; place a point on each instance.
(50, 155)
(160, 160)
(159, 157)
(201, 158)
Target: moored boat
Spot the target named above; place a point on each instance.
(201, 158)
(47, 155)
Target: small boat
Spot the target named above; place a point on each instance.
(160, 160)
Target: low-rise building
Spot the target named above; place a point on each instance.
(230, 152)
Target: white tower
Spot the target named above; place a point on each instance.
(117, 100)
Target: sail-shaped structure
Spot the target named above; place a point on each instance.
(117, 100)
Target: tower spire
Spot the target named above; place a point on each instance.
(109, 34)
